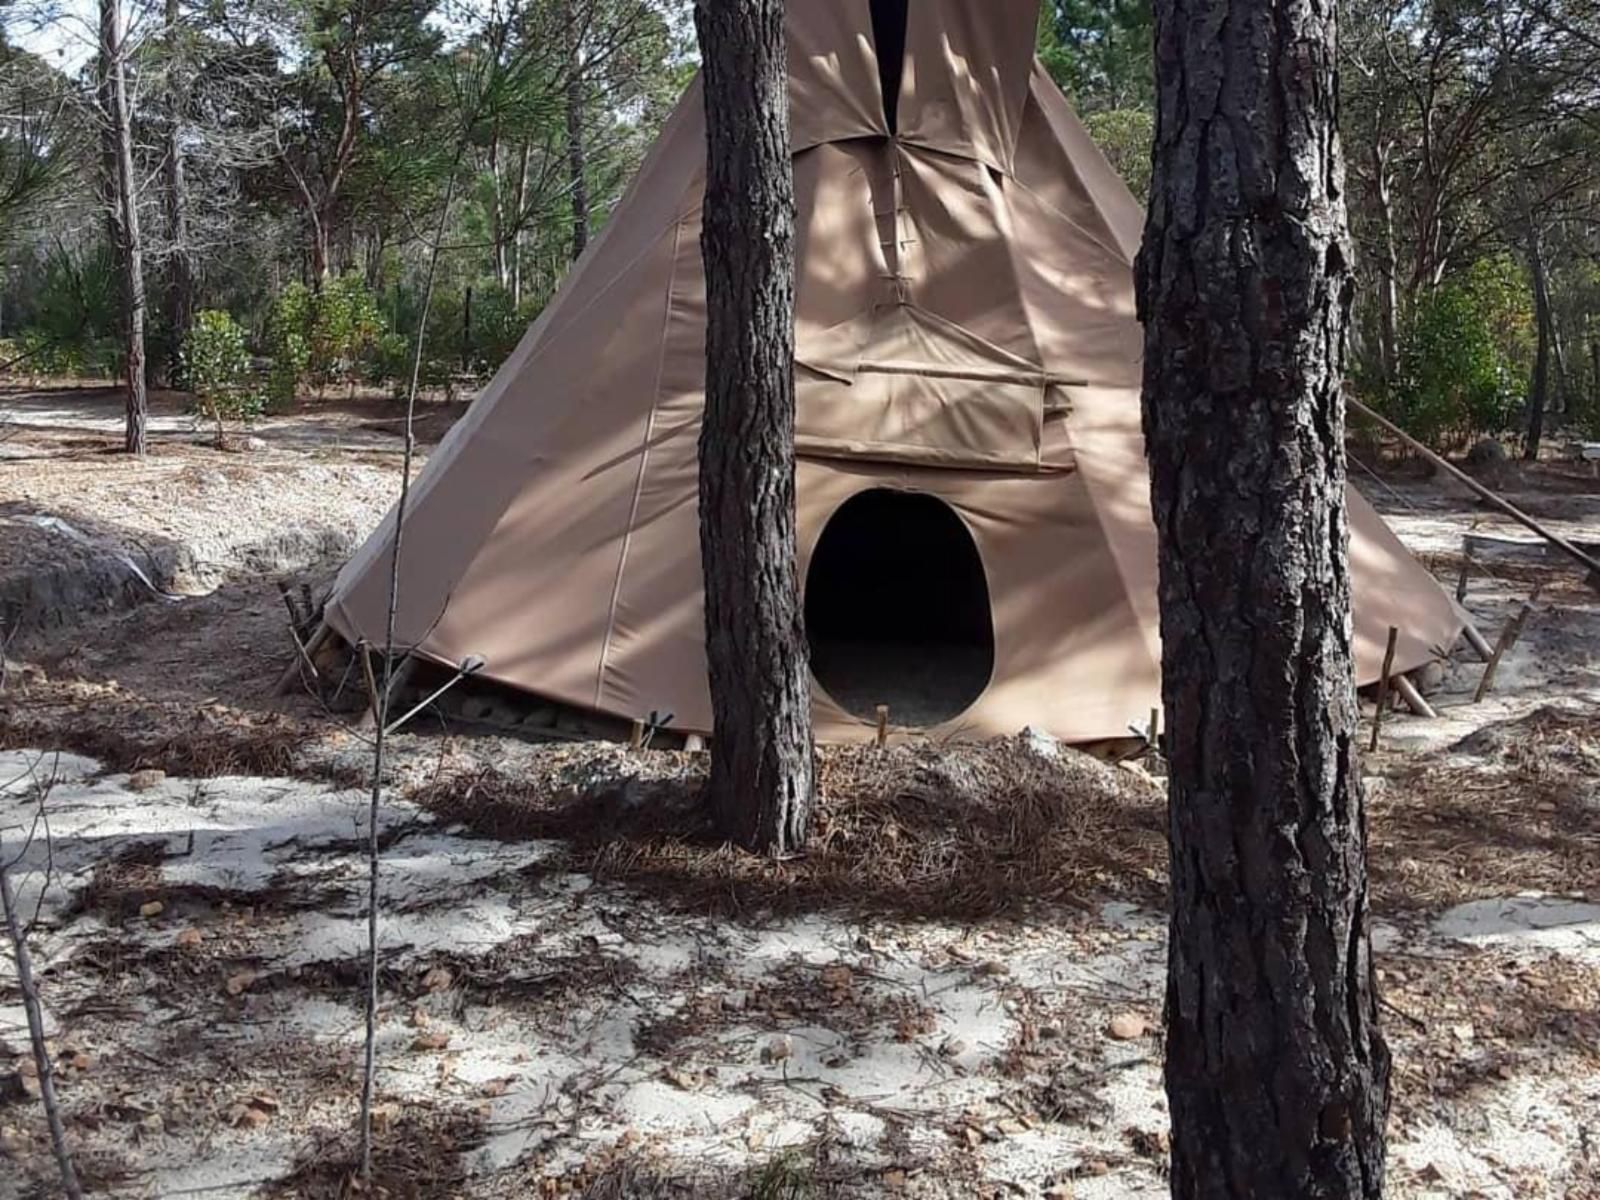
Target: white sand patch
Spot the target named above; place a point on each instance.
(1532, 922)
(605, 1021)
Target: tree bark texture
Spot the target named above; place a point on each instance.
(124, 183)
(181, 273)
(1277, 1074)
(1539, 387)
(577, 158)
(762, 767)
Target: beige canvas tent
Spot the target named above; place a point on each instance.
(973, 498)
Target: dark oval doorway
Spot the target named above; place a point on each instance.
(897, 609)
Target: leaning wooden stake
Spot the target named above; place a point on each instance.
(883, 725)
(1383, 686)
(1504, 505)
(1478, 642)
(291, 674)
(1413, 698)
(1508, 639)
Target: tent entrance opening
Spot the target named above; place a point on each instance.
(897, 609)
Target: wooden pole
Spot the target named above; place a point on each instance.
(1383, 685)
(1504, 505)
(1508, 639)
(292, 674)
(883, 725)
(1478, 642)
(636, 736)
(1413, 698)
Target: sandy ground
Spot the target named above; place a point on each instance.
(580, 1000)
(544, 1032)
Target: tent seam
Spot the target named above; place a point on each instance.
(644, 463)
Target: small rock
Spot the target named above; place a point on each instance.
(496, 1088)
(143, 781)
(1127, 1027)
(437, 1040)
(248, 1116)
(993, 967)
(188, 939)
(1057, 1191)
(12, 1141)
(779, 1049)
(151, 908)
(152, 1123)
(437, 980)
(239, 983)
(383, 1117)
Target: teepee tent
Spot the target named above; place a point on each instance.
(974, 513)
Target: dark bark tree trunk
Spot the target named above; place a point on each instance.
(577, 157)
(1539, 389)
(1277, 1074)
(181, 273)
(1388, 265)
(113, 98)
(762, 769)
(519, 200)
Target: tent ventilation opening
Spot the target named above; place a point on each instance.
(889, 19)
(897, 610)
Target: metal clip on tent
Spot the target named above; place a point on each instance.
(470, 666)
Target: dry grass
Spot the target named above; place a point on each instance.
(1513, 807)
(970, 831)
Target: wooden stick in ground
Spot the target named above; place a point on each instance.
(41, 1053)
(883, 725)
(291, 674)
(1477, 641)
(1413, 698)
(1383, 686)
(1500, 502)
(1508, 639)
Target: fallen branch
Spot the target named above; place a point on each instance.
(1494, 498)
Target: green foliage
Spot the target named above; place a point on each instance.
(320, 337)
(1125, 136)
(1459, 354)
(216, 369)
(73, 327)
(1100, 52)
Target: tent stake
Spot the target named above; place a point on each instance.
(1508, 639)
(1504, 505)
(1478, 642)
(883, 725)
(292, 674)
(1383, 686)
(1413, 698)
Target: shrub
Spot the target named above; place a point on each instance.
(216, 369)
(322, 336)
(1459, 371)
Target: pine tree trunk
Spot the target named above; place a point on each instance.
(119, 133)
(181, 274)
(577, 158)
(762, 769)
(1539, 391)
(1277, 1074)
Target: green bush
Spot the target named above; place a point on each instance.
(216, 370)
(321, 337)
(74, 328)
(1462, 358)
